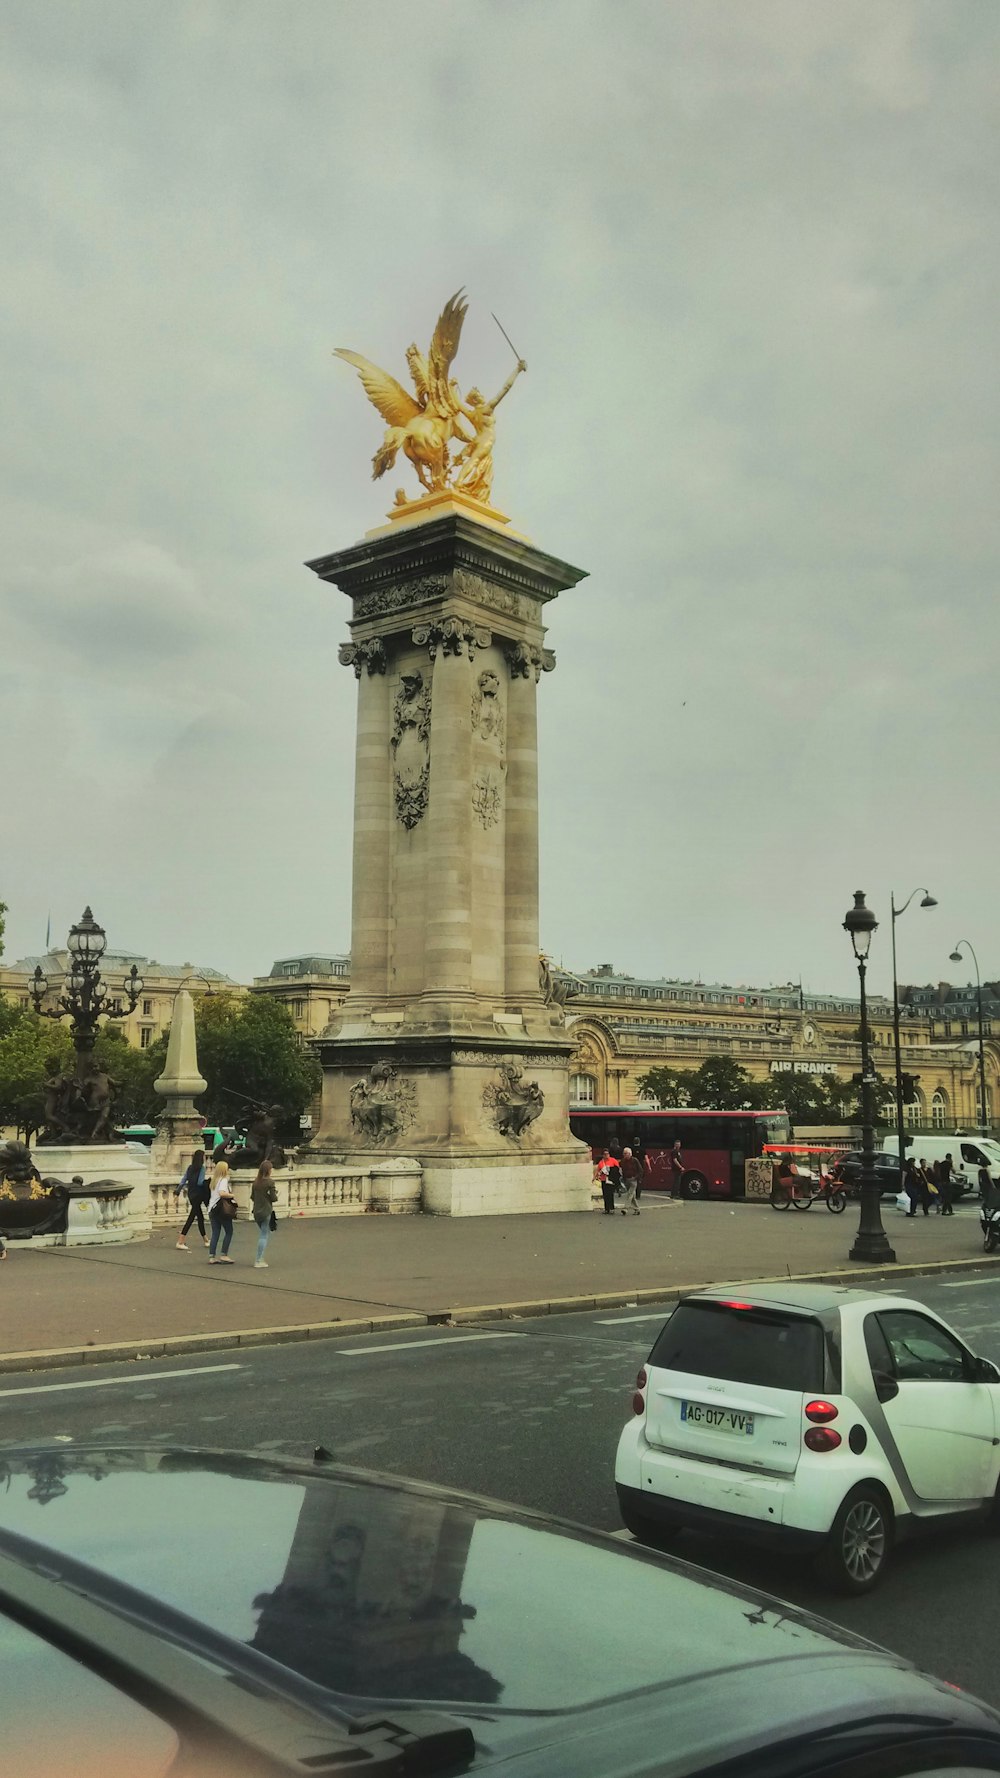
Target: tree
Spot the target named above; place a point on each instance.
(248, 1052)
(720, 1084)
(25, 1045)
(133, 1072)
(670, 1087)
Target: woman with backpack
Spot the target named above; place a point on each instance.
(194, 1182)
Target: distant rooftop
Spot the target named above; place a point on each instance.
(56, 962)
(311, 963)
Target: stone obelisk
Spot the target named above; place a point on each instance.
(447, 1047)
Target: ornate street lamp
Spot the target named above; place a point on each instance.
(871, 1244)
(927, 902)
(82, 995)
(955, 956)
(78, 1109)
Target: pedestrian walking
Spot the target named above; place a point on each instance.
(912, 1185)
(221, 1214)
(194, 1181)
(631, 1178)
(985, 1183)
(946, 1186)
(609, 1172)
(263, 1197)
(675, 1162)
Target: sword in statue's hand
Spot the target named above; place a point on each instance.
(520, 361)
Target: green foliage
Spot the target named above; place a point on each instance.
(720, 1084)
(247, 1050)
(811, 1098)
(25, 1043)
(133, 1072)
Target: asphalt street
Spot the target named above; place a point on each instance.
(527, 1412)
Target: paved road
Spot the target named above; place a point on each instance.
(528, 1412)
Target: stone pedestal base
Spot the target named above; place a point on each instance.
(501, 1186)
(487, 1121)
(95, 1219)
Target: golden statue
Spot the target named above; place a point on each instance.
(423, 427)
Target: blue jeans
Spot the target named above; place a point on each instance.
(264, 1225)
(221, 1225)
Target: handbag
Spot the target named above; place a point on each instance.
(228, 1207)
(273, 1222)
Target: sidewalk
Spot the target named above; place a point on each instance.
(60, 1305)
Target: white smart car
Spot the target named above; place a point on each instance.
(833, 1421)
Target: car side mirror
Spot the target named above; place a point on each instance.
(885, 1386)
(984, 1371)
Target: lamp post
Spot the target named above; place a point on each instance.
(956, 957)
(871, 1244)
(928, 902)
(78, 1107)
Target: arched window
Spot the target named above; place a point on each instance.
(582, 1089)
(980, 1118)
(939, 1110)
(914, 1112)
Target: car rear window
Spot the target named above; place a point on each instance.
(762, 1346)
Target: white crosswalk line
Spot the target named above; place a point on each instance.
(144, 1377)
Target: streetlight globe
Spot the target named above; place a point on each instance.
(86, 939)
(860, 923)
(928, 902)
(954, 956)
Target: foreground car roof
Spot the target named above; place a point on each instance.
(378, 1596)
(815, 1299)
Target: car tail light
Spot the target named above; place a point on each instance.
(727, 1305)
(641, 1379)
(821, 1411)
(638, 1399)
(822, 1438)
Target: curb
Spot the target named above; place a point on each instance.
(170, 1345)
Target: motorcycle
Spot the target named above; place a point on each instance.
(989, 1222)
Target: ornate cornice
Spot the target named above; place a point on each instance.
(448, 546)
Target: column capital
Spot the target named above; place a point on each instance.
(523, 659)
(369, 654)
(452, 635)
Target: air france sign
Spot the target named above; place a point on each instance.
(803, 1067)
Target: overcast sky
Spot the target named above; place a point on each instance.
(750, 253)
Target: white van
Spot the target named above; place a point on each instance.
(968, 1154)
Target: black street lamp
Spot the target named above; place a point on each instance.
(928, 902)
(956, 957)
(871, 1244)
(82, 996)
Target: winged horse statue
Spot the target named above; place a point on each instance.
(423, 425)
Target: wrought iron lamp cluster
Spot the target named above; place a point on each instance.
(82, 995)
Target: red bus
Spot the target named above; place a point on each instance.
(715, 1145)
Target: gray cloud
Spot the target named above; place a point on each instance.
(750, 256)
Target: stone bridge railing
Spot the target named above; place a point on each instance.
(388, 1186)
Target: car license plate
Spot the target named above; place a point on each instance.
(698, 1413)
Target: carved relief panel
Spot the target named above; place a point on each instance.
(410, 746)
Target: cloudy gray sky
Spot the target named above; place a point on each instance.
(750, 253)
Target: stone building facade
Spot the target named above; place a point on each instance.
(160, 983)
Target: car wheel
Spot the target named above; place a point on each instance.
(648, 1531)
(694, 1185)
(860, 1539)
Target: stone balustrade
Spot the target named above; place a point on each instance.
(392, 1187)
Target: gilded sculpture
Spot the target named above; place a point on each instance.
(449, 440)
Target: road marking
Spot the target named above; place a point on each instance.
(409, 1345)
(202, 1370)
(965, 1284)
(620, 1320)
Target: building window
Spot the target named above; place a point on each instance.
(147, 1009)
(582, 1089)
(298, 1009)
(980, 1117)
(914, 1113)
(939, 1111)
(145, 1037)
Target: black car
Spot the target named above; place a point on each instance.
(208, 1615)
(847, 1171)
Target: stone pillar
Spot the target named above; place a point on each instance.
(448, 962)
(522, 947)
(372, 819)
(178, 1086)
(444, 1049)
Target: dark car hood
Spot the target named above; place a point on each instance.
(385, 1591)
